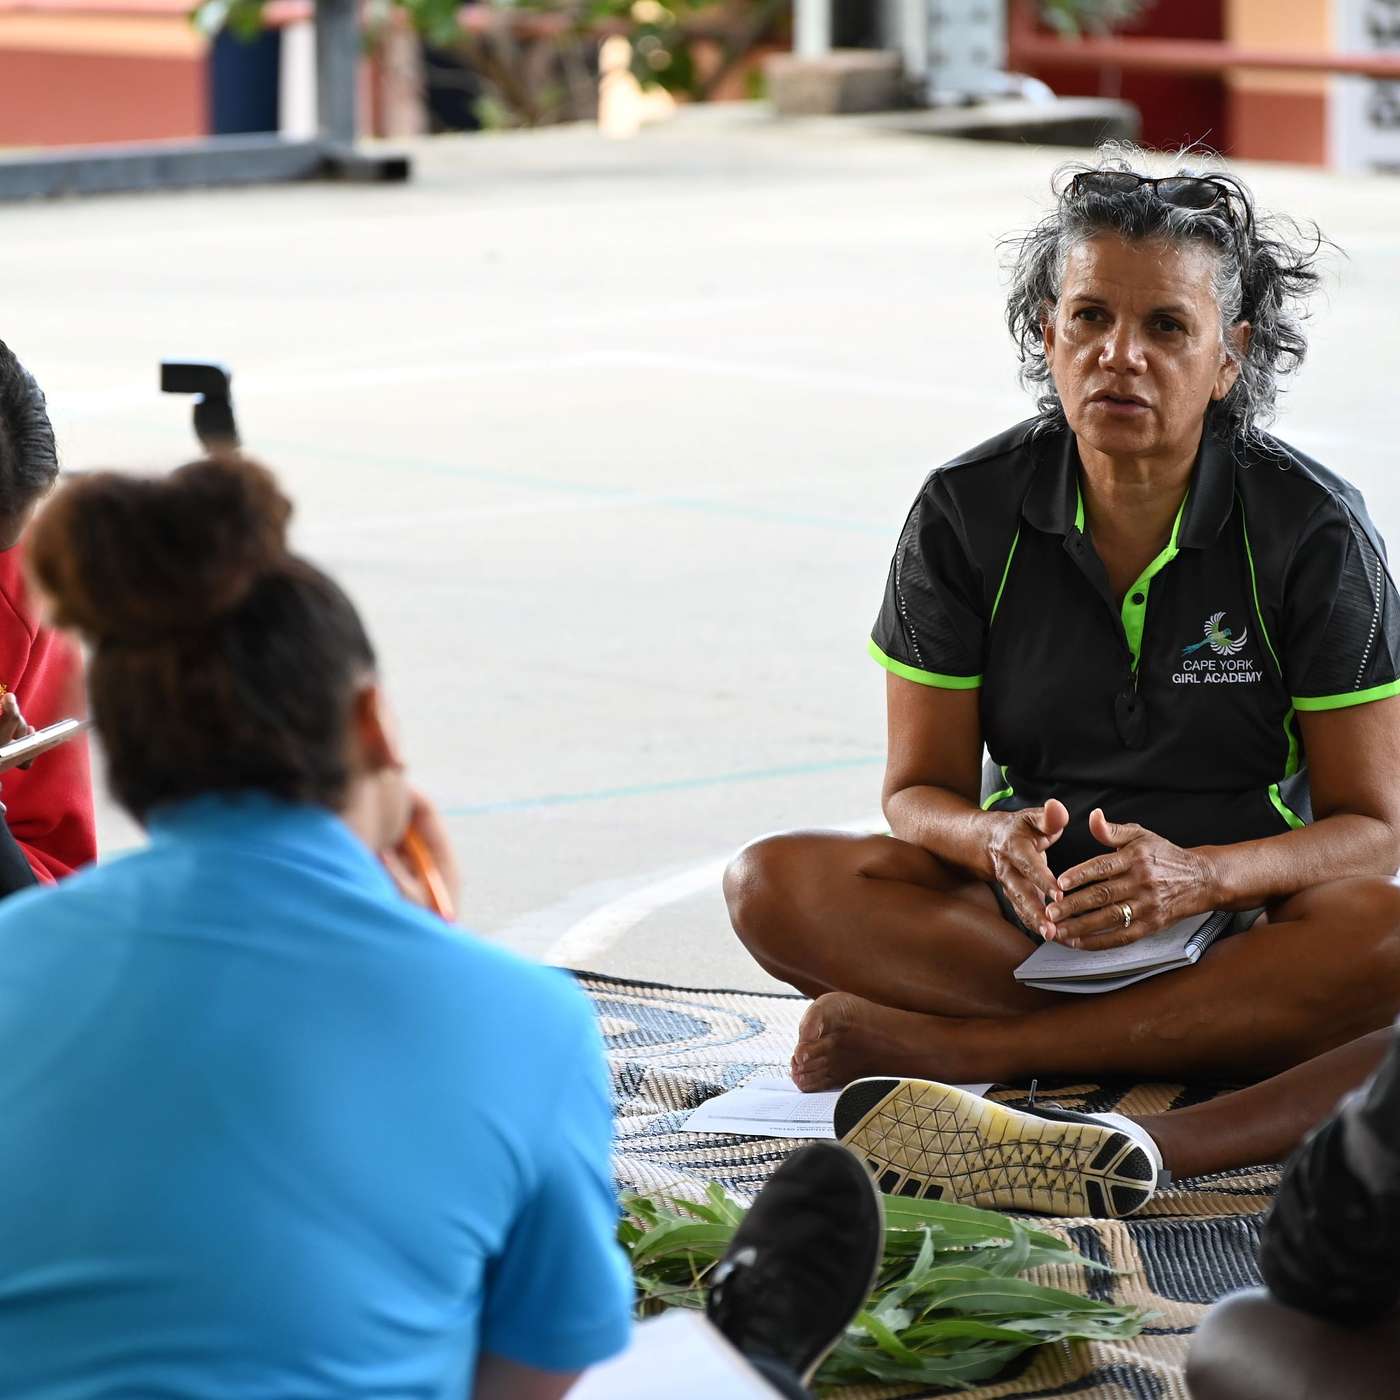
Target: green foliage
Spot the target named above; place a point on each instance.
(662, 46)
(949, 1307)
(242, 18)
(1075, 17)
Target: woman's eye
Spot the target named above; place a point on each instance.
(1089, 313)
(1165, 323)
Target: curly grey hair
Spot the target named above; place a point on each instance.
(1265, 270)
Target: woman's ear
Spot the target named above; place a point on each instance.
(373, 731)
(1230, 358)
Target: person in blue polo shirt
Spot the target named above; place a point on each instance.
(267, 1127)
(1179, 640)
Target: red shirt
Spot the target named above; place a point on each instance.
(48, 807)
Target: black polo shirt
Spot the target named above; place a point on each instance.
(1177, 709)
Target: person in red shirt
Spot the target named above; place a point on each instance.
(49, 828)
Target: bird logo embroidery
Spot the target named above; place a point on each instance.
(1221, 640)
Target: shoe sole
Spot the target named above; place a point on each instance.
(935, 1141)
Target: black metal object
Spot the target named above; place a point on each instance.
(213, 408)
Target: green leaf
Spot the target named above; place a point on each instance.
(950, 1307)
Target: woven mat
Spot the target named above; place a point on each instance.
(672, 1048)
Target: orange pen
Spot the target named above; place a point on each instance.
(425, 868)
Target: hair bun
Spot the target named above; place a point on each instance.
(139, 559)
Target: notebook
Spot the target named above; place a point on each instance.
(1054, 967)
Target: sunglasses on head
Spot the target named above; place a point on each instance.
(1181, 191)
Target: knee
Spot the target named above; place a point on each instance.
(1235, 1346)
(758, 884)
(1372, 911)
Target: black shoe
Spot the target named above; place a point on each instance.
(803, 1260)
(921, 1138)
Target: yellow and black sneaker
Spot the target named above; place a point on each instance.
(919, 1138)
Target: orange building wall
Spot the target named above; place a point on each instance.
(81, 80)
(1279, 116)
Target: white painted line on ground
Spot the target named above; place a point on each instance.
(587, 940)
(88, 402)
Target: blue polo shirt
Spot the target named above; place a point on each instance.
(268, 1130)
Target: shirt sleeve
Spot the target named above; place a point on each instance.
(1341, 625)
(49, 806)
(930, 628)
(559, 1297)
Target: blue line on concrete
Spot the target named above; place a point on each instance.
(753, 775)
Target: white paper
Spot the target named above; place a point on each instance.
(775, 1107)
(679, 1355)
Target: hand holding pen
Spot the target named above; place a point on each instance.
(422, 865)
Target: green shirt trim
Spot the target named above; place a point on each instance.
(1001, 587)
(1134, 614)
(1254, 586)
(1284, 810)
(992, 799)
(912, 673)
(1345, 701)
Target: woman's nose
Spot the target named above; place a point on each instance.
(1122, 351)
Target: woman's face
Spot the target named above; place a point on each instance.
(1134, 346)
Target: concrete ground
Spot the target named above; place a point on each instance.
(612, 441)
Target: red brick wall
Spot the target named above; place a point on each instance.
(66, 95)
(1176, 111)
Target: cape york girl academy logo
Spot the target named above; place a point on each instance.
(1221, 665)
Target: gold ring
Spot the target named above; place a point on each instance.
(1126, 910)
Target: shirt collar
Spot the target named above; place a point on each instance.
(311, 835)
(1053, 503)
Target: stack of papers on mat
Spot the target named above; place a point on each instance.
(1054, 967)
(774, 1107)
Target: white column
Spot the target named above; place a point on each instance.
(812, 28)
(912, 37)
(297, 89)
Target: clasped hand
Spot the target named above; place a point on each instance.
(1158, 881)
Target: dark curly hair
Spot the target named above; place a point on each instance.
(28, 457)
(1265, 270)
(220, 662)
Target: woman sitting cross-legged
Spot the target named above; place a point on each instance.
(267, 1128)
(1179, 641)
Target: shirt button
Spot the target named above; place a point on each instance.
(1139, 599)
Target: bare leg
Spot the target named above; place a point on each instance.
(880, 918)
(1266, 1121)
(1252, 1347)
(1323, 970)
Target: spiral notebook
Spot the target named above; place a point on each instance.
(1054, 967)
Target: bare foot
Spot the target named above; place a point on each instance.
(844, 1037)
